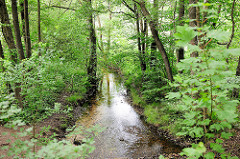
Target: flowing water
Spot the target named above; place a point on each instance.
(125, 134)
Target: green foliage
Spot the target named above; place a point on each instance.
(195, 151)
(204, 87)
(52, 148)
(74, 98)
(8, 109)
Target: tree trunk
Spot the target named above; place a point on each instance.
(1, 56)
(180, 51)
(101, 34)
(158, 42)
(7, 30)
(1, 50)
(144, 31)
(193, 23)
(23, 21)
(17, 30)
(92, 67)
(153, 55)
(138, 28)
(27, 31)
(109, 31)
(39, 22)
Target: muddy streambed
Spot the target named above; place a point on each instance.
(125, 134)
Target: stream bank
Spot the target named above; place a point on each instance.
(126, 134)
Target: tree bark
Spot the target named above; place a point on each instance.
(39, 22)
(92, 67)
(1, 56)
(1, 50)
(138, 28)
(193, 23)
(141, 34)
(233, 24)
(17, 30)
(198, 15)
(157, 40)
(143, 58)
(180, 51)
(109, 31)
(153, 44)
(27, 31)
(101, 34)
(7, 30)
(23, 21)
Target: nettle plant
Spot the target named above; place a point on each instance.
(204, 95)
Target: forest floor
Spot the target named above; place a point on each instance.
(57, 123)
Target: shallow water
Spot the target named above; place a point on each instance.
(125, 134)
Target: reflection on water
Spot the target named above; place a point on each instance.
(125, 135)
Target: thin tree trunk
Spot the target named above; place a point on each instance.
(180, 51)
(193, 23)
(23, 21)
(233, 24)
(158, 42)
(7, 30)
(1, 50)
(174, 19)
(1, 56)
(17, 89)
(198, 16)
(153, 44)
(109, 31)
(138, 29)
(39, 22)
(101, 34)
(144, 65)
(27, 31)
(235, 90)
(17, 30)
(92, 67)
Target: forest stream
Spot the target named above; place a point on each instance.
(125, 134)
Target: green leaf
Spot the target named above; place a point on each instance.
(219, 35)
(216, 127)
(209, 135)
(185, 34)
(226, 135)
(219, 141)
(198, 131)
(173, 95)
(217, 147)
(196, 150)
(204, 122)
(182, 133)
(209, 155)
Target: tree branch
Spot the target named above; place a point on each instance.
(130, 8)
(62, 7)
(121, 12)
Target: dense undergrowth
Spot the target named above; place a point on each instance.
(199, 104)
